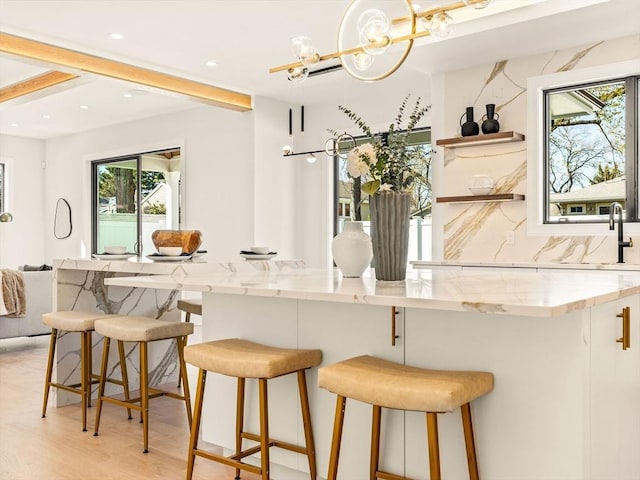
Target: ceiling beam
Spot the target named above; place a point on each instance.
(75, 60)
(34, 84)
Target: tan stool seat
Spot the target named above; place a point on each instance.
(82, 323)
(248, 360)
(402, 387)
(241, 358)
(72, 321)
(141, 329)
(385, 384)
(191, 305)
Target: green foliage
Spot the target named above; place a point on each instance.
(390, 163)
(606, 172)
(155, 208)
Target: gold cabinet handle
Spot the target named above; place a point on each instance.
(394, 313)
(625, 340)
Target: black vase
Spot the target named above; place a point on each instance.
(490, 124)
(469, 128)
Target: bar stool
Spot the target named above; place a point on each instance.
(243, 359)
(142, 330)
(83, 323)
(192, 305)
(391, 385)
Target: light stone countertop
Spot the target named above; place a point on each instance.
(524, 292)
(418, 264)
(144, 266)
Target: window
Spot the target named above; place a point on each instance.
(350, 203)
(3, 194)
(134, 196)
(590, 158)
(547, 217)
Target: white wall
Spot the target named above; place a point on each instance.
(22, 241)
(218, 161)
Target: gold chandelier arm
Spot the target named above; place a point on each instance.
(350, 51)
(425, 14)
(430, 13)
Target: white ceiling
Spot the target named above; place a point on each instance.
(246, 38)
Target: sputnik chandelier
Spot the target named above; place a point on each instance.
(372, 42)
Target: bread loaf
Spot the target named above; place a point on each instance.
(189, 240)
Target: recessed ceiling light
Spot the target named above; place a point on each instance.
(14, 124)
(127, 95)
(84, 107)
(210, 63)
(46, 116)
(116, 36)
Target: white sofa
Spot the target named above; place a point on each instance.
(39, 297)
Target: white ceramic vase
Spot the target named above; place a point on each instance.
(351, 250)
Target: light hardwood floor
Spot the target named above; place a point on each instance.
(55, 448)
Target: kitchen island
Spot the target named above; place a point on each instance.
(566, 397)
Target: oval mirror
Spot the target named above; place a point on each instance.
(62, 222)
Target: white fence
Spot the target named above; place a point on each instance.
(419, 237)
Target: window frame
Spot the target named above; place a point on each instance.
(536, 143)
(3, 187)
(335, 218)
(631, 167)
(139, 159)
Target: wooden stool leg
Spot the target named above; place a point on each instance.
(375, 442)
(180, 342)
(47, 380)
(239, 419)
(103, 378)
(123, 374)
(306, 422)
(467, 426)
(264, 428)
(187, 319)
(83, 378)
(337, 438)
(89, 366)
(195, 423)
(434, 449)
(144, 394)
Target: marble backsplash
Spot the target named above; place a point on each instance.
(497, 232)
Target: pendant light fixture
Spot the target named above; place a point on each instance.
(375, 37)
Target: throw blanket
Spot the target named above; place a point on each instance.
(12, 296)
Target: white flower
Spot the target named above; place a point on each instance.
(356, 165)
(386, 187)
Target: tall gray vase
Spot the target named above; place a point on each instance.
(390, 234)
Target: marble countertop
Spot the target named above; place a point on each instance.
(144, 266)
(551, 265)
(524, 292)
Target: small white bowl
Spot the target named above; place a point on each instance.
(115, 250)
(173, 251)
(480, 190)
(260, 250)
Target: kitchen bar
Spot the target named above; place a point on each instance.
(566, 393)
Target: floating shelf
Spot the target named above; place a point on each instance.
(488, 139)
(496, 197)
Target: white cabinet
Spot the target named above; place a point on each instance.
(343, 331)
(272, 321)
(615, 393)
(530, 426)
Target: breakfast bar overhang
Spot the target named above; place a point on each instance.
(566, 396)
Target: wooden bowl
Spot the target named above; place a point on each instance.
(189, 240)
